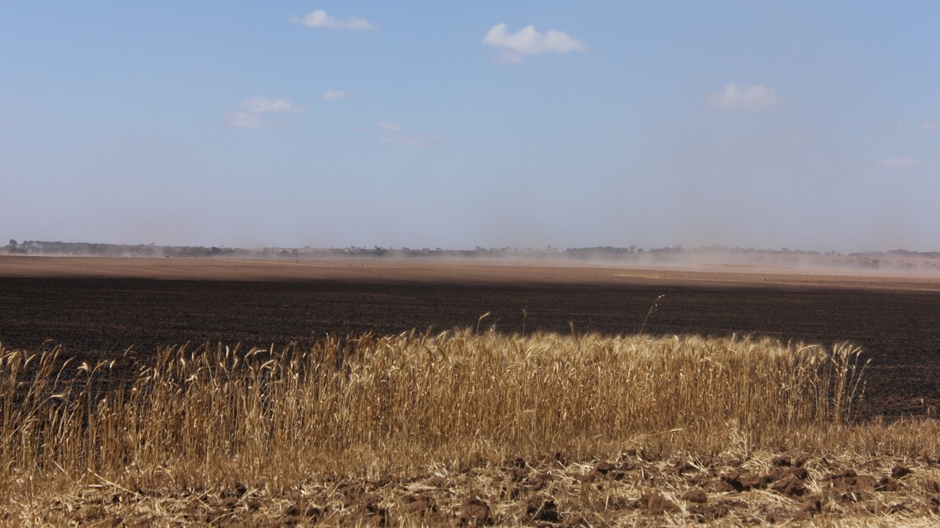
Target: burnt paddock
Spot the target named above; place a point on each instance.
(99, 318)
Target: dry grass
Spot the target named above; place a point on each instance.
(458, 427)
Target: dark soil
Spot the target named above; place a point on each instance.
(100, 318)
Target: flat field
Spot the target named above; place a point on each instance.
(542, 395)
(97, 308)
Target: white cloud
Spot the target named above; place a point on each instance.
(898, 163)
(403, 140)
(261, 105)
(391, 127)
(332, 95)
(753, 97)
(251, 108)
(929, 124)
(319, 18)
(243, 119)
(528, 41)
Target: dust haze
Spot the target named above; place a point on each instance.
(711, 258)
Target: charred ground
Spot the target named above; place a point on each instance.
(96, 318)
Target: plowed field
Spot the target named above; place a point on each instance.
(97, 308)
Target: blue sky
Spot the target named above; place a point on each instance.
(810, 125)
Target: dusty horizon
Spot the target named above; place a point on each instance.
(464, 271)
(881, 265)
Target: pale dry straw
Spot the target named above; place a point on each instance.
(380, 407)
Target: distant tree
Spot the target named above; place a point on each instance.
(13, 243)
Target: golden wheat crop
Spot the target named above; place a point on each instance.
(393, 407)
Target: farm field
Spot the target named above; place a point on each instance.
(585, 423)
(98, 307)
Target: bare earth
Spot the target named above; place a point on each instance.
(97, 308)
(454, 272)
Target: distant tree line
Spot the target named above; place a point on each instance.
(872, 260)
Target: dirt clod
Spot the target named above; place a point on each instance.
(658, 504)
(887, 484)
(538, 481)
(791, 487)
(799, 473)
(682, 467)
(300, 507)
(808, 508)
(850, 485)
(474, 512)
(711, 512)
(899, 472)
(696, 496)
(743, 481)
(416, 504)
(540, 508)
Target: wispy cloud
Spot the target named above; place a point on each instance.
(251, 109)
(404, 140)
(243, 119)
(261, 105)
(929, 124)
(528, 41)
(333, 95)
(319, 18)
(898, 162)
(755, 97)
